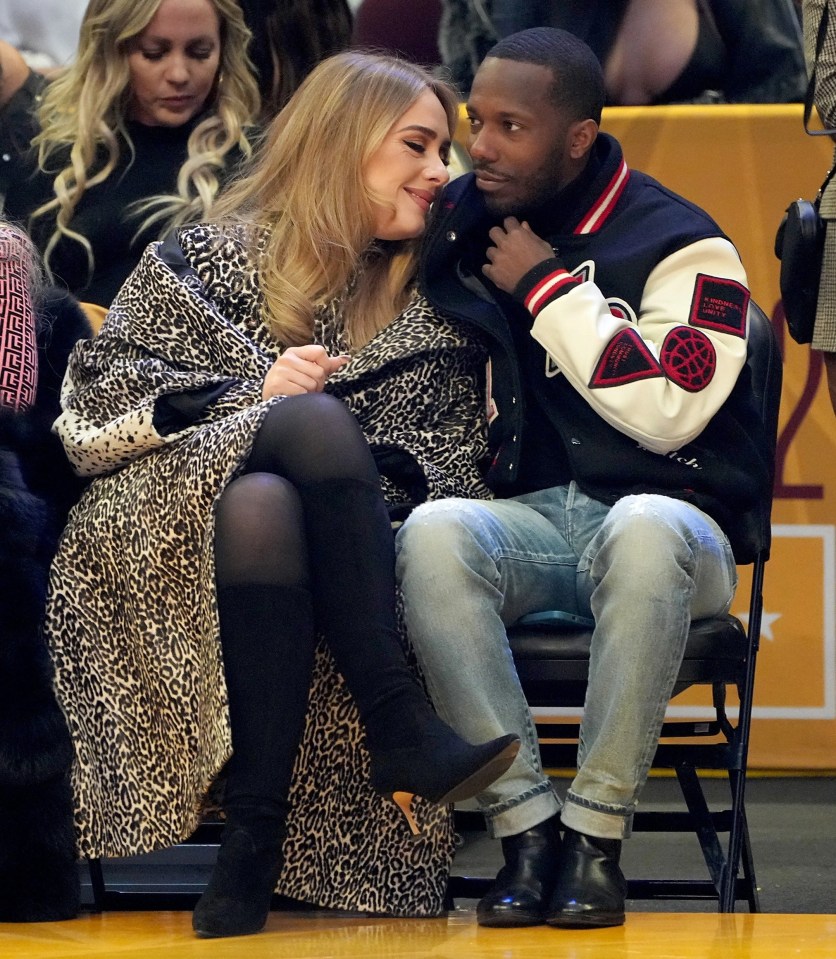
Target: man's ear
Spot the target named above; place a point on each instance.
(582, 135)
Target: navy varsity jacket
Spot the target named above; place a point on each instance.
(637, 345)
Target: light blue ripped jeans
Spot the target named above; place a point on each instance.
(644, 568)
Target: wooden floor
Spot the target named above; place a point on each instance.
(168, 935)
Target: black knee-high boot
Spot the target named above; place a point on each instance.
(412, 750)
(267, 637)
(314, 443)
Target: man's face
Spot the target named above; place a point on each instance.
(519, 138)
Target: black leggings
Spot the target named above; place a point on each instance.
(303, 544)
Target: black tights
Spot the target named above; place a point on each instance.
(303, 544)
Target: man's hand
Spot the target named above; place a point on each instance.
(301, 369)
(517, 249)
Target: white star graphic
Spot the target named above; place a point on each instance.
(767, 619)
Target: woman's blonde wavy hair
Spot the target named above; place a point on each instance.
(306, 187)
(85, 108)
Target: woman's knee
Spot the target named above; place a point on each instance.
(311, 437)
(299, 412)
(259, 518)
(259, 494)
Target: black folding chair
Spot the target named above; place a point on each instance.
(552, 661)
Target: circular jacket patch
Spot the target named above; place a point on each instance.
(688, 358)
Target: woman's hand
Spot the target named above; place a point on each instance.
(516, 250)
(301, 369)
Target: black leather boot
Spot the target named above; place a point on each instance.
(237, 899)
(524, 885)
(590, 888)
(413, 751)
(437, 764)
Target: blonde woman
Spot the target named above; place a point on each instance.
(134, 137)
(256, 383)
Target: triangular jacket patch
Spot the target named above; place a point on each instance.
(625, 359)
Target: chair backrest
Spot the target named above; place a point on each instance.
(766, 368)
(765, 375)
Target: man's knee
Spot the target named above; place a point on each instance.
(435, 539)
(645, 528)
(432, 527)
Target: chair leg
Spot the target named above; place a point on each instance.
(749, 869)
(712, 850)
(94, 867)
(738, 845)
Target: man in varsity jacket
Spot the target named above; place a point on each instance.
(626, 448)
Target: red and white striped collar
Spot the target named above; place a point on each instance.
(600, 210)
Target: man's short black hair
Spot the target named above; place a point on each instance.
(578, 78)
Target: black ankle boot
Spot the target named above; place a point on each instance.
(236, 901)
(524, 885)
(438, 765)
(590, 888)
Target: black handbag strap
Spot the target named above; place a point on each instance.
(811, 84)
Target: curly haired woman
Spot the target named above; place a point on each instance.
(134, 137)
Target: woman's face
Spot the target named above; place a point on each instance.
(409, 168)
(173, 63)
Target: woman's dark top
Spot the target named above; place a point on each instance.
(104, 215)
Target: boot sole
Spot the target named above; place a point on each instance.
(227, 934)
(601, 921)
(518, 920)
(483, 777)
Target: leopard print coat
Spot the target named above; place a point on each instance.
(132, 617)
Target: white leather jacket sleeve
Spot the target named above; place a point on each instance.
(690, 357)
